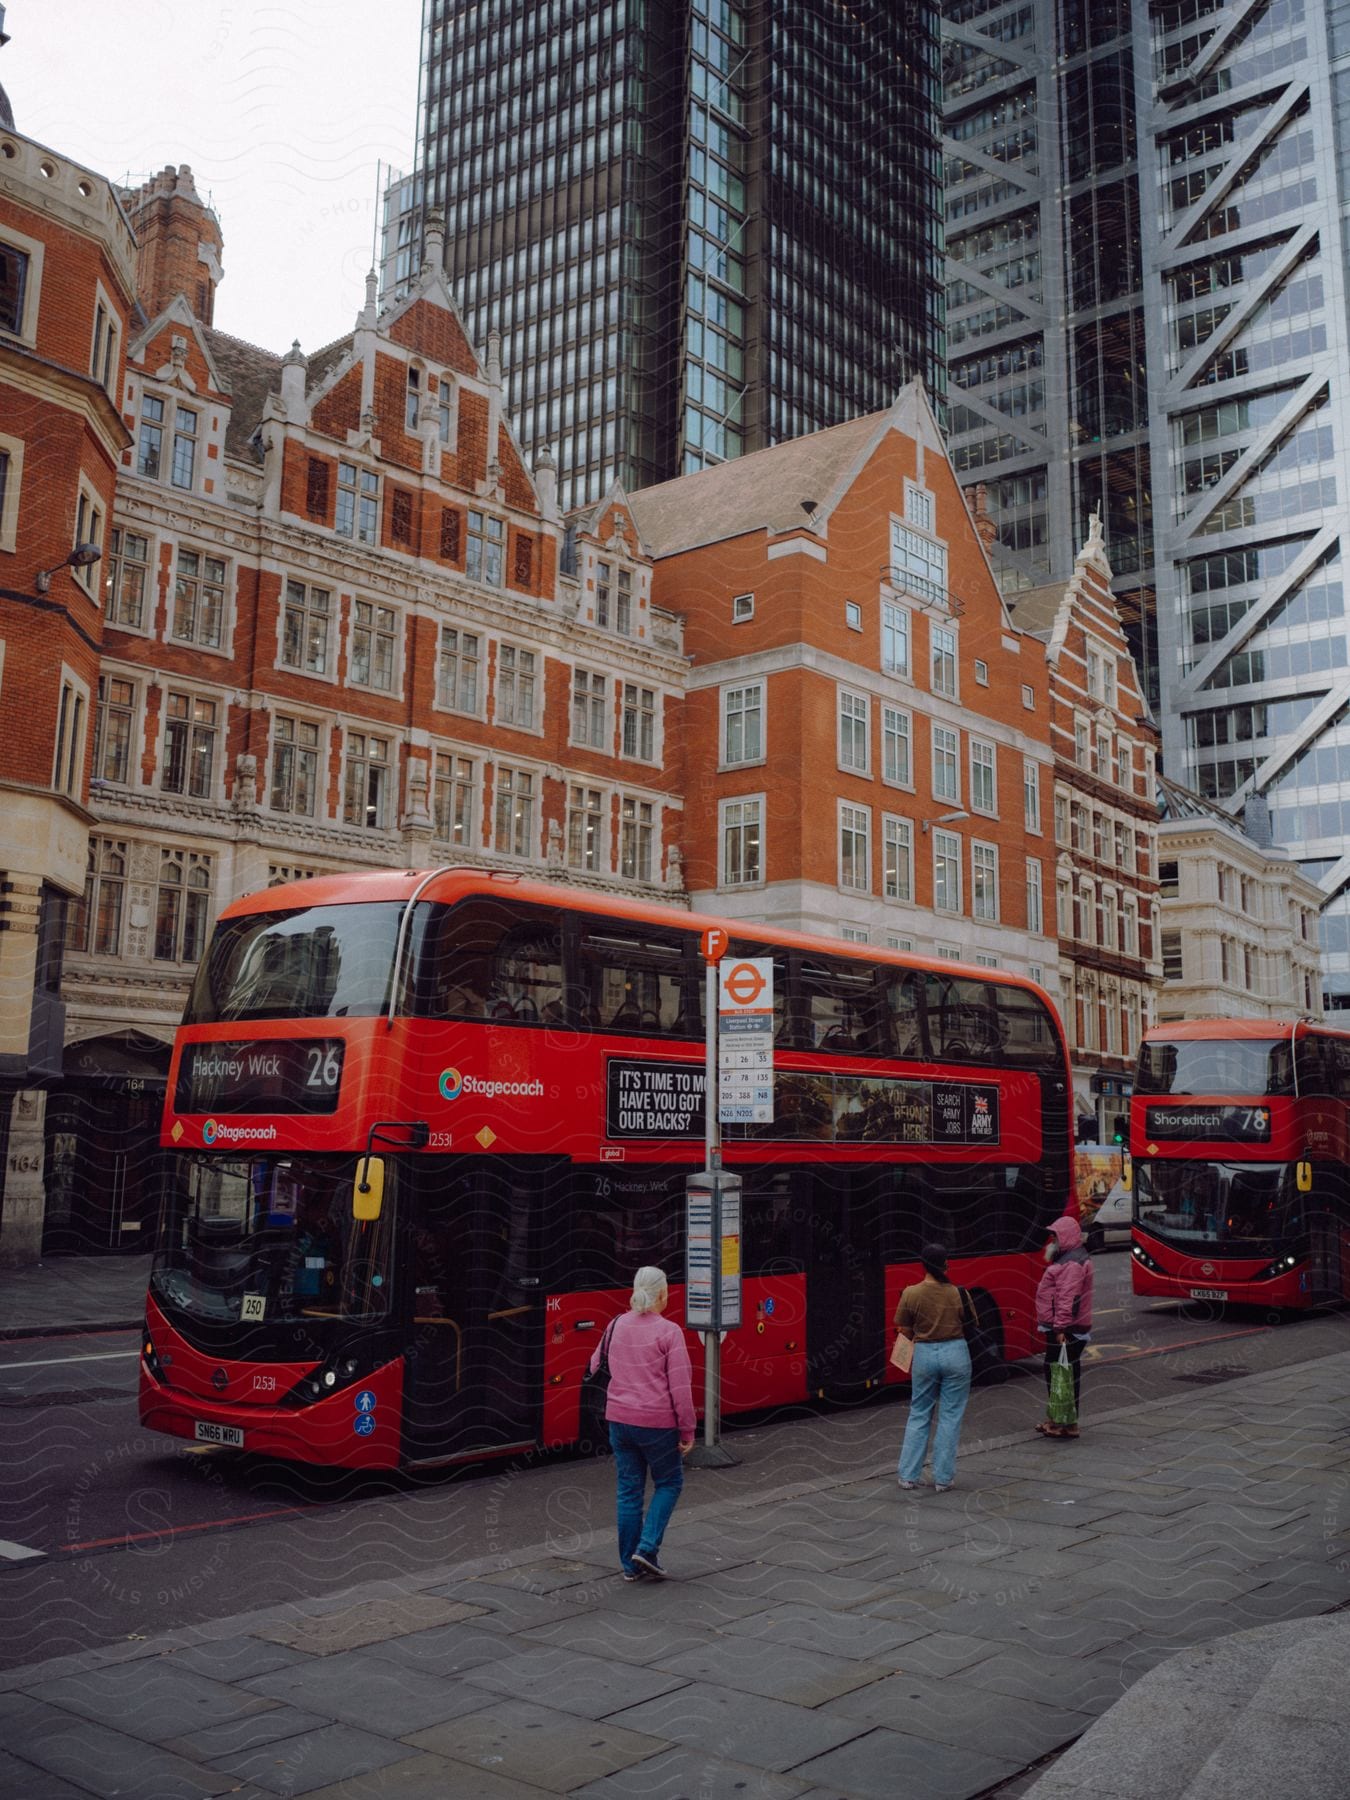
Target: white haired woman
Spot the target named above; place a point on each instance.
(650, 1410)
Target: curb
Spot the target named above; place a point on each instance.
(15, 1333)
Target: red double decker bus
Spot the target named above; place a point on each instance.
(428, 1125)
(1239, 1140)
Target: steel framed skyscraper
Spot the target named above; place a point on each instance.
(699, 226)
(1148, 305)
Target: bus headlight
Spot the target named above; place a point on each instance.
(1142, 1257)
(338, 1371)
(1281, 1266)
(150, 1356)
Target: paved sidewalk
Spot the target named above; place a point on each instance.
(835, 1640)
(73, 1293)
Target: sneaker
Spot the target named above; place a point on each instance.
(647, 1563)
(631, 1574)
(907, 1485)
(943, 1487)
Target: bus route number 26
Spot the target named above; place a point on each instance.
(325, 1065)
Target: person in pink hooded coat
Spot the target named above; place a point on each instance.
(1064, 1308)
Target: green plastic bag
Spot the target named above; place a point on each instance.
(1062, 1410)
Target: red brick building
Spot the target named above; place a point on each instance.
(866, 745)
(1105, 831)
(67, 269)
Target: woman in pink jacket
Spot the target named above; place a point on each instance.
(650, 1409)
(1064, 1308)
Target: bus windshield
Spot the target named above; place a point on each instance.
(1211, 1205)
(325, 962)
(1251, 1067)
(267, 1239)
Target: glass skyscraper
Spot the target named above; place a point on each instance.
(1148, 306)
(699, 226)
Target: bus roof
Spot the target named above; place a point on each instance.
(456, 883)
(1245, 1029)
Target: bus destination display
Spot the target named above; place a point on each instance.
(279, 1075)
(663, 1100)
(1209, 1124)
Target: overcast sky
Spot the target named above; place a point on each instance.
(282, 108)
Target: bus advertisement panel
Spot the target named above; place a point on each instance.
(428, 1126)
(1239, 1141)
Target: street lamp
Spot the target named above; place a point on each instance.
(950, 818)
(80, 558)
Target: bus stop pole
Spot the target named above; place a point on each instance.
(709, 1454)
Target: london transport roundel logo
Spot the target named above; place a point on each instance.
(210, 1131)
(744, 984)
(451, 1084)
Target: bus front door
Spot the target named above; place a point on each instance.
(474, 1364)
(845, 1282)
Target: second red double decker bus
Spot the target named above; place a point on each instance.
(1239, 1139)
(428, 1125)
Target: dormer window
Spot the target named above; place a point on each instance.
(484, 547)
(414, 405)
(184, 447)
(614, 598)
(156, 420)
(151, 449)
(443, 404)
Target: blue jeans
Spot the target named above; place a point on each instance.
(638, 1448)
(939, 1378)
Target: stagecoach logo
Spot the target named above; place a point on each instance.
(209, 1131)
(213, 1132)
(452, 1084)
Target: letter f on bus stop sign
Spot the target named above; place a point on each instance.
(713, 943)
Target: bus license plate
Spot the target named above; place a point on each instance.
(219, 1434)
(1209, 1293)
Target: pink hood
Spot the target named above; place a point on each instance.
(1069, 1232)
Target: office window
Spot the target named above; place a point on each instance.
(1035, 897)
(743, 713)
(1101, 674)
(741, 842)
(374, 645)
(14, 271)
(614, 598)
(68, 761)
(895, 746)
(184, 447)
(454, 791)
(853, 732)
(943, 640)
(187, 763)
(124, 580)
(918, 564)
(358, 504)
(639, 721)
(295, 766)
(1171, 956)
(1061, 818)
(1129, 927)
(590, 722)
(1102, 767)
(585, 828)
(444, 410)
(1031, 796)
(113, 729)
(946, 871)
(95, 923)
(1063, 909)
(981, 672)
(946, 770)
(1124, 771)
(918, 506)
(983, 777)
(742, 608)
(1080, 742)
(514, 829)
(636, 828)
(365, 796)
(150, 441)
(88, 530)
(894, 639)
(515, 687)
(457, 670)
(304, 632)
(855, 854)
(198, 599)
(853, 615)
(897, 842)
(484, 549)
(182, 906)
(103, 351)
(984, 881)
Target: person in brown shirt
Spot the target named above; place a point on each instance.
(931, 1314)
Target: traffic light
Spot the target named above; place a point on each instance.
(1120, 1129)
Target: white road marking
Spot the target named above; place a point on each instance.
(55, 1362)
(17, 1552)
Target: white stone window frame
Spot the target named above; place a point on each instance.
(9, 513)
(392, 764)
(607, 727)
(948, 846)
(90, 577)
(920, 507)
(658, 719)
(849, 725)
(738, 687)
(350, 628)
(1097, 654)
(1031, 796)
(300, 715)
(1036, 891)
(136, 678)
(897, 830)
(150, 599)
(328, 678)
(35, 250)
(479, 709)
(901, 671)
(193, 691)
(989, 810)
(760, 802)
(536, 726)
(110, 354)
(953, 798)
(225, 648)
(72, 740)
(742, 608)
(889, 713)
(948, 626)
(533, 853)
(858, 820)
(475, 758)
(603, 816)
(983, 853)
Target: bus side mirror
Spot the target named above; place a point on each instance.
(1303, 1177)
(368, 1189)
